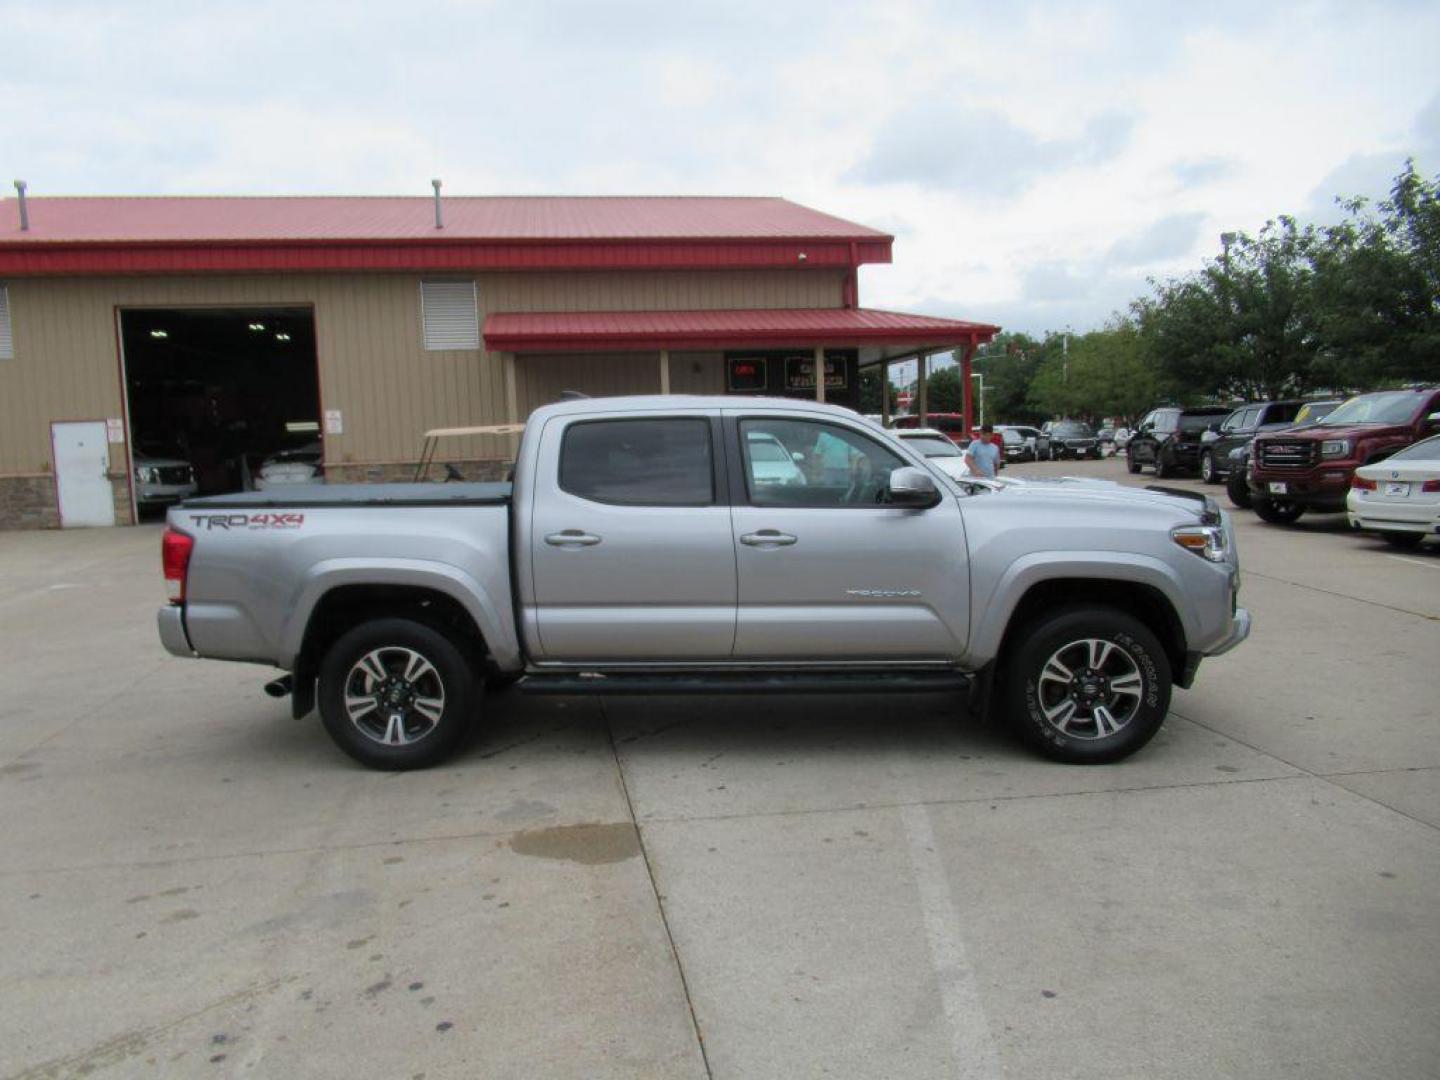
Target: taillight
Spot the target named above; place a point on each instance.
(1430, 485)
(1360, 483)
(175, 548)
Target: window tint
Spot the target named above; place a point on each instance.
(639, 462)
(836, 466)
(1282, 412)
(1238, 419)
(1167, 420)
(1193, 422)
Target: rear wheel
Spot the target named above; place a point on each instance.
(1207, 468)
(1277, 511)
(1403, 540)
(1087, 685)
(1238, 488)
(396, 694)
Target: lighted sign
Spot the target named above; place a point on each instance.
(747, 374)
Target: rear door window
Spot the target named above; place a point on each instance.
(639, 462)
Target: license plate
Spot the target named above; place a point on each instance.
(1400, 488)
(1278, 487)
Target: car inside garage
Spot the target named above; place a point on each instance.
(214, 394)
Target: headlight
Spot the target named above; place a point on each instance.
(1207, 541)
(1335, 448)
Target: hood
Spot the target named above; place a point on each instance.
(1078, 491)
(1319, 432)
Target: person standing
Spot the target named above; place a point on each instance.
(983, 455)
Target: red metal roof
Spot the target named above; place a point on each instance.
(79, 236)
(528, 332)
(202, 219)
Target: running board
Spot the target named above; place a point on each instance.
(748, 682)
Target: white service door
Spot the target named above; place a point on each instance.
(82, 458)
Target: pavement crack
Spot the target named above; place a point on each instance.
(655, 890)
(1325, 778)
(1341, 595)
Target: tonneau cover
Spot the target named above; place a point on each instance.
(320, 496)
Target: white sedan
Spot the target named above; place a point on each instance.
(935, 447)
(1399, 497)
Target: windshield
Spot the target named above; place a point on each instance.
(767, 450)
(933, 447)
(1312, 411)
(1072, 431)
(1425, 450)
(1389, 407)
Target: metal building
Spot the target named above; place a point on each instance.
(140, 337)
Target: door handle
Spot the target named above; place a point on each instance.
(767, 538)
(572, 538)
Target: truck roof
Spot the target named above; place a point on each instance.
(671, 402)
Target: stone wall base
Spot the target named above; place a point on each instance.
(28, 502)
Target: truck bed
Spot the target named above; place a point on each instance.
(319, 496)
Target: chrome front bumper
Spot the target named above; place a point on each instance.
(171, 623)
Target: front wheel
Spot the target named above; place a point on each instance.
(1207, 468)
(1087, 685)
(396, 694)
(1238, 488)
(1131, 463)
(1277, 511)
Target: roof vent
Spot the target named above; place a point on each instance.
(439, 221)
(24, 211)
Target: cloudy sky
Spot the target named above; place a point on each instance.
(1036, 162)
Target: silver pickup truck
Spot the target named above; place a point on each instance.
(664, 545)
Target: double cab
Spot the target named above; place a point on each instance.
(648, 545)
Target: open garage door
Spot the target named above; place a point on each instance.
(216, 393)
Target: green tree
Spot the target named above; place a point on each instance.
(870, 380)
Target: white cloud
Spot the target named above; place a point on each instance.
(1036, 160)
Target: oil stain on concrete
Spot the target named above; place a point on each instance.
(591, 845)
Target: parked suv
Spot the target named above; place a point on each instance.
(1169, 439)
(1237, 429)
(1070, 438)
(1311, 468)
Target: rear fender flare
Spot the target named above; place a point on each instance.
(492, 619)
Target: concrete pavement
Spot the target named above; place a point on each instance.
(193, 884)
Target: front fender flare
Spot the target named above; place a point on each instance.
(993, 612)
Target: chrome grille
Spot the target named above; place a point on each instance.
(1288, 455)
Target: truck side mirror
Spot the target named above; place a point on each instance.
(913, 488)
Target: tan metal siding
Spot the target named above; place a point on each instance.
(373, 366)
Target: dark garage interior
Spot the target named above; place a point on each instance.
(221, 388)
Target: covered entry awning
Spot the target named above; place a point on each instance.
(879, 335)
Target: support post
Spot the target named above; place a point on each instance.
(967, 354)
(664, 371)
(819, 373)
(922, 362)
(512, 400)
(885, 393)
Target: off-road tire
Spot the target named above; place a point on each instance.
(1029, 689)
(448, 678)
